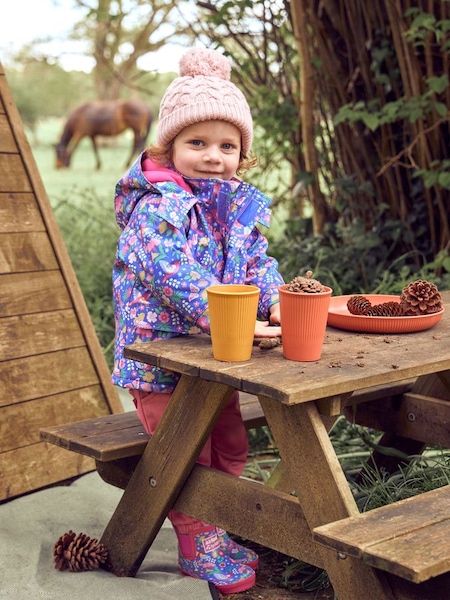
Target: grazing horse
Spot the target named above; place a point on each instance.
(104, 118)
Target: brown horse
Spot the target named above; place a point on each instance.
(104, 118)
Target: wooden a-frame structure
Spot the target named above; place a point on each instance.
(52, 369)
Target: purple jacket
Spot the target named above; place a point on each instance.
(180, 236)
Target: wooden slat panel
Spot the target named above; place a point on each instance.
(27, 293)
(20, 423)
(14, 177)
(28, 469)
(415, 556)
(7, 142)
(43, 315)
(417, 519)
(22, 252)
(414, 416)
(105, 439)
(123, 435)
(37, 376)
(351, 536)
(28, 335)
(19, 212)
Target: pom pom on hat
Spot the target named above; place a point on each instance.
(203, 92)
(207, 63)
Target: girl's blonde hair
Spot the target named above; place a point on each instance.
(162, 154)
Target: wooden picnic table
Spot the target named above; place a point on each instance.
(298, 400)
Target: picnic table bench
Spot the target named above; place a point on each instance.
(403, 389)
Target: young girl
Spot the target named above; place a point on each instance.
(187, 222)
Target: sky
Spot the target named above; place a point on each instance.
(22, 21)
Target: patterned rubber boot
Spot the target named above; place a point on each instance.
(200, 556)
(237, 553)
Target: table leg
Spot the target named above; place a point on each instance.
(323, 492)
(160, 474)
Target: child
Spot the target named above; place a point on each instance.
(187, 223)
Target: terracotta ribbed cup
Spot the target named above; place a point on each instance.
(303, 323)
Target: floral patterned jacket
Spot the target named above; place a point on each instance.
(180, 236)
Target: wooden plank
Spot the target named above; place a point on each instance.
(22, 252)
(28, 469)
(123, 435)
(266, 516)
(413, 416)
(7, 141)
(416, 556)
(29, 293)
(20, 423)
(354, 534)
(105, 438)
(33, 377)
(29, 335)
(382, 535)
(251, 411)
(14, 177)
(19, 213)
(2, 78)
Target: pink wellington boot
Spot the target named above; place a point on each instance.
(237, 553)
(201, 556)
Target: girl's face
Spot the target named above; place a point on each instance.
(207, 150)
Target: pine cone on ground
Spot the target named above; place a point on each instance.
(78, 553)
(358, 305)
(305, 284)
(421, 298)
(386, 309)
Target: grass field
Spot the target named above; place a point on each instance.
(81, 175)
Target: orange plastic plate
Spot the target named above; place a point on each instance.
(340, 317)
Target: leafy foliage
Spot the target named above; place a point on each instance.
(352, 260)
(35, 82)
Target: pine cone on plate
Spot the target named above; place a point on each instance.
(358, 305)
(421, 298)
(78, 553)
(386, 309)
(305, 284)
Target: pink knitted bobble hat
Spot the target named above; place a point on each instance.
(203, 92)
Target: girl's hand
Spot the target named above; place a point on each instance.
(275, 318)
(264, 330)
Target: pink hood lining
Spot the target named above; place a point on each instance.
(155, 173)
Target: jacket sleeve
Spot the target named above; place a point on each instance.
(262, 271)
(158, 255)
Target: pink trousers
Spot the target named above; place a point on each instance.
(225, 450)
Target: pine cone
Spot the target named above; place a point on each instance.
(78, 553)
(386, 309)
(358, 305)
(421, 298)
(305, 284)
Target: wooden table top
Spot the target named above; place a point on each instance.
(350, 361)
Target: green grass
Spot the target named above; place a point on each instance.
(82, 174)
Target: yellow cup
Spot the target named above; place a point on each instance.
(232, 312)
